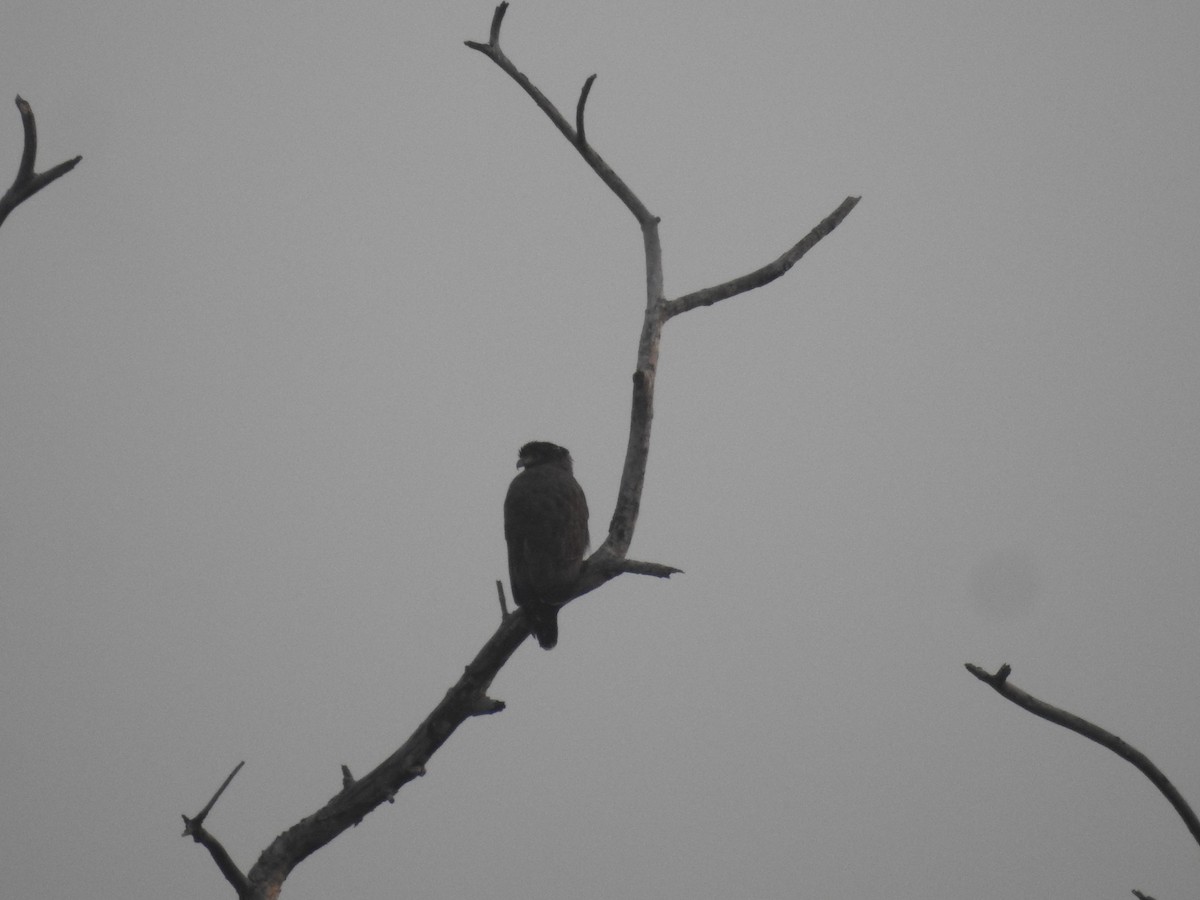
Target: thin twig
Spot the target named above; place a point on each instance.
(653, 569)
(503, 603)
(583, 95)
(999, 682)
(194, 828)
(27, 183)
(493, 52)
(768, 273)
(199, 820)
(497, 18)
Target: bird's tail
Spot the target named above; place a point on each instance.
(543, 622)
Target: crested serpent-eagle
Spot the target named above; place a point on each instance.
(546, 527)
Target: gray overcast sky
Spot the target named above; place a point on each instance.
(267, 354)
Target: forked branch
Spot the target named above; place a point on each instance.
(999, 682)
(468, 697)
(658, 308)
(28, 182)
(194, 828)
(493, 52)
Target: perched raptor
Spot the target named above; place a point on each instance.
(546, 527)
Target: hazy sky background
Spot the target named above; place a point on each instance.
(268, 353)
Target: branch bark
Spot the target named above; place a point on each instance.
(999, 682)
(468, 697)
(27, 183)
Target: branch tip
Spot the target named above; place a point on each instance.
(768, 273)
(996, 680)
(487, 706)
(580, 138)
(203, 814)
(29, 153)
(653, 569)
(503, 603)
(497, 18)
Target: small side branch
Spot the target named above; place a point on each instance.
(503, 602)
(999, 682)
(203, 814)
(194, 828)
(28, 182)
(497, 18)
(768, 273)
(583, 95)
(493, 52)
(653, 569)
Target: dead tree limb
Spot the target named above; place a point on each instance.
(194, 828)
(468, 697)
(28, 182)
(999, 682)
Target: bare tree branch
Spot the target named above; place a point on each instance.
(493, 52)
(194, 828)
(468, 697)
(653, 569)
(999, 682)
(503, 603)
(27, 183)
(203, 814)
(768, 273)
(583, 95)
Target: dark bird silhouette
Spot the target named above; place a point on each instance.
(546, 527)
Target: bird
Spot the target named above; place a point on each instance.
(546, 528)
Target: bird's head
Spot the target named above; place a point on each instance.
(540, 453)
